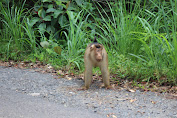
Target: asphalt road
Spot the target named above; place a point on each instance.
(14, 104)
(25, 93)
(18, 105)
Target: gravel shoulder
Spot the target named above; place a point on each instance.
(26, 93)
(19, 105)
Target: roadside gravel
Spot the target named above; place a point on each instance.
(105, 103)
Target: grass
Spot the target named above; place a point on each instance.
(76, 40)
(17, 37)
(12, 32)
(140, 43)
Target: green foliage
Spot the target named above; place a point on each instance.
(44, 44)
(139, 36)
(76, 38)
(51, 17)
(143, 36)
(57, 49)
(15, 41)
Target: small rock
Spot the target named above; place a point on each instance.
(131, 90)
(114, 116)
(34, 94)
(63, 102)
(72, 93)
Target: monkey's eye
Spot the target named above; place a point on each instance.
(97, 46)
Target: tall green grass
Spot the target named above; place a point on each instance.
(141, 39)
(17, 37)
(76, 39)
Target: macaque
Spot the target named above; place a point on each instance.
(96, 56)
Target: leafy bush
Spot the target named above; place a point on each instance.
(51, 17)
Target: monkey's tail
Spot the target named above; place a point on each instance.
(95, 41)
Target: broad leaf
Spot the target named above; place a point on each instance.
(57, 13)
(79, 2)
(73, 7)
(57, 49)
(50, 6)
(47, 18)
(42, 27)
(62, 20)
(50, 10)
(33, 21)
(41, 13)
(44, 44)
(54, 21)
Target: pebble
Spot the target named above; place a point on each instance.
(34, 94)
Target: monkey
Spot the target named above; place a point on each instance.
(96, 56)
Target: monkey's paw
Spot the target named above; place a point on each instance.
(110, 87)
(82, 88)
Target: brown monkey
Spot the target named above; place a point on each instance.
(96, 56)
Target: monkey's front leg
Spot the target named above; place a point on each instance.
(105, 75)
(88, 75)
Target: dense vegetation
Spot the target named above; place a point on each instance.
(139, 36)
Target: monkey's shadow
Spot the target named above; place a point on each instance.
(96, 83)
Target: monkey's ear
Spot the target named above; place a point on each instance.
(101, 46)
(92, 47)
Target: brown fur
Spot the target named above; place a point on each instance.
(96, 56)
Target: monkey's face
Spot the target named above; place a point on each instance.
(98, 54)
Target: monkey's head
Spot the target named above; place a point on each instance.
(97, 49)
